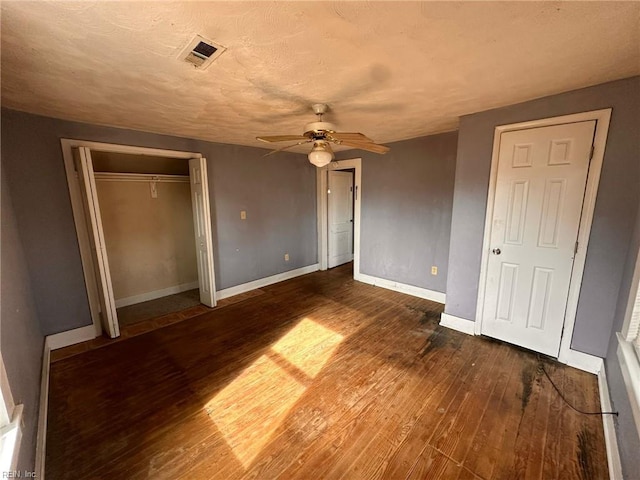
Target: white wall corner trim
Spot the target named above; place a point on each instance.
(144, 297)
(456, 323)
(41, 437)
(583, 361)
(610, 439)
(70, 337)
(263, 282)
(401, 287)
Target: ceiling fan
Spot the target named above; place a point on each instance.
(322, 135)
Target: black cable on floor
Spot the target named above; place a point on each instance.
(565, 400)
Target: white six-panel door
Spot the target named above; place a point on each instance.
(91, 207)
(542, 173)
(202, 227)
(340, 218)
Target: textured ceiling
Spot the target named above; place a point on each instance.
(392, 70)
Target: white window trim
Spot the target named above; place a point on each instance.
(627, 351)
(10, 425)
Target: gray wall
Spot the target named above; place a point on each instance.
(21, 340)
(614, 216)
(407, 196)
(278, 193)
(628, 440)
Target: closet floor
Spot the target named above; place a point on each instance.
(158, 307)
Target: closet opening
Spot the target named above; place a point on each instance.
(144, 230)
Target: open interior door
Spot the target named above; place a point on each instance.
(86, 179)
(340, 218)
(202, 227)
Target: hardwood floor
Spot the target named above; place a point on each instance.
(319, 377)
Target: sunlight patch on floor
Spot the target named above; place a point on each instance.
(251, 408)
(308, 346)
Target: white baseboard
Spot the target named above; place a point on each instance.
(70, 337)
(145, 297)
(610, 439)
(583, 361)
(401, 287)
(575, 359)
(41, 438)
(263, 282)
(457, 323)
(82, 334)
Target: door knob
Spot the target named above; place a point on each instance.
(496, 251)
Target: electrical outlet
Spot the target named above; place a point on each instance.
(434, 270)
(243, 215)
(286, 257)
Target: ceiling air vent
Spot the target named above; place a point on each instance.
(201, 52)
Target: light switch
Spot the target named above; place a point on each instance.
(243, 215)
(434, 270)
(286, 257)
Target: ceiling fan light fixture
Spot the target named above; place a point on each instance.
(321, 154)
(322, 135)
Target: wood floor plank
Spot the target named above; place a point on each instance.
(407, 432)
(358, 427)
(433, 464)
(350, 418)
(552, 459)
(540, 424)
(334, 385)
(455, 432)
(485, 451)
(316, 377)
(369, 457)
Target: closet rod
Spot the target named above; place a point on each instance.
(140, 177)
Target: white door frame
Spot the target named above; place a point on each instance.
(322, 182)
(602, 118)
(78, 212)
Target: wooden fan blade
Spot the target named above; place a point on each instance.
(368, 146)
(281, 138)
(351, 137)
(287, 147)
